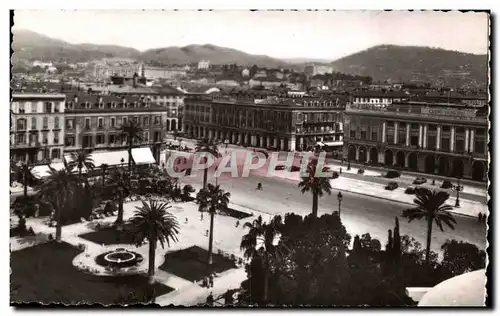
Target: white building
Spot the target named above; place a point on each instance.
(314, 70)
(203, 64)
(37, 130)
(245, 73)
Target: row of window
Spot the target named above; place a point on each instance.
(22, 123)
(48, 107)
(33, 139)
(112, 122)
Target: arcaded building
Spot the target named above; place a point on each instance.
(435, 137)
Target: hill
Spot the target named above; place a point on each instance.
(31, 45)
(414, 64)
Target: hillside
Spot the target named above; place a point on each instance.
(31, 45)
(215, 54)
(412, 63)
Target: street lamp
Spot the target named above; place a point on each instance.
(339, 197)
(458, 187)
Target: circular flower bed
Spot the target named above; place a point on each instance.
(118, 258)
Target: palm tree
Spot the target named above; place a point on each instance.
(80, 159)
(260, 242)
(119, 182)
(212, 199)
(57, 189)
(430, 205)
(208, 146)
(133, 132)
(104, 167)
(317, 185)
(153, 223)
(25, 172)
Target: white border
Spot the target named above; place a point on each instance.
(188, 4)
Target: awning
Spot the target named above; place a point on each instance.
(42, 171)
(334, 144)
(114, 158)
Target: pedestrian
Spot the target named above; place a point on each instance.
(480, 217)
(206, 233)
(186, 220)
(237, 223)
(340, 170)
(433, 182)
(210, 299)
(201, 217)
(211, 280)
(485, 217)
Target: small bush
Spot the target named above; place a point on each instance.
(361, 171)
(392, 174)
(31, 232)
(446, 185)
(392, 186)
(51, 237)
(410, 190)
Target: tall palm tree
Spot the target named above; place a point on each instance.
(317, 185)
(119, 182)
(153, 223)
(260, 242)
(133, 132)
(25, 173)
(208, 146)
(80, 159)
(104, 167)
(212, 199)
(58, 189)
(430, 205)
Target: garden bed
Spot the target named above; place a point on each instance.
(191, 263)
(109, 236)
(235, 213)
(45, 274)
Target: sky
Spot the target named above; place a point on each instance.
(283, 34)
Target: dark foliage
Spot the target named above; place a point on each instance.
(392, 174)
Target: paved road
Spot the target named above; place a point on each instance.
(360, 214)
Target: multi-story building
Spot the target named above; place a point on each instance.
(94, 122)
(203, 64)
(37, 130)
(264, 121)
(441, 138)
(313, 70)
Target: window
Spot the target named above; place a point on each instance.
(69, 123)
(101, 105)
(87, 105)
(34, 107)
(146, 121)
(352, 134)
(70, 105)
(55, 153)
(374, 134)
(48, 107)
(460, 130)
(45, 122)
(21, 108)
(100, 139)
(480, 131)
(87, 123)
(20, 139)
(100, 122)
(124, 120)
(446, 129)
(33, 123)
(459, 145)
(479, 146)
(445, 144)
(431, 142)
(413, 140)
(21, 124)
(113, 122)
(146, 137)
(363, 134)
(111, 139)
(56, 122)
(136, 120)
(56, 107)
(390, 138)
(56, 138)
(113, 105)
(45, 137)
(157, 120)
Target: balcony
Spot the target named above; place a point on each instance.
(33, 144)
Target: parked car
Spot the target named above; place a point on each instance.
(392, 174)
(392, 186)
(294, 168)
(279, 167)
(446, 184)
(361, 171)
(410, 190)
(420, 180)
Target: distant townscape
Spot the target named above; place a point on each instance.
(97, 215)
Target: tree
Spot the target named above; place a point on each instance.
(132, 132)
(207, 146)
(57, 189)
(460, 257)
(430, 205)
(260, 243)
(152, 222)
(212, 199)
(104, 167)
(119, 183)
(317, 185)
(25, 172)
(80, 159)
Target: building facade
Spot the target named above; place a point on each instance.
(94, 122)
(437, 138)
(262, 121)
(37, 129)
(204, 64)
(313, 70)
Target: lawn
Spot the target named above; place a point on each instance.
(108, 236)
(191, 263)
(45, 274)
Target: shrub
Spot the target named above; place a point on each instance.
(446, 184)
(51, 237)
(410, 190)
(21, 226)
(31, 232)
(361, 171)
(392, 174)
(392, 186)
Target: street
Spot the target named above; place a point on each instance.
(360, 214)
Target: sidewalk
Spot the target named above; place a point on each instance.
(467, 207)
